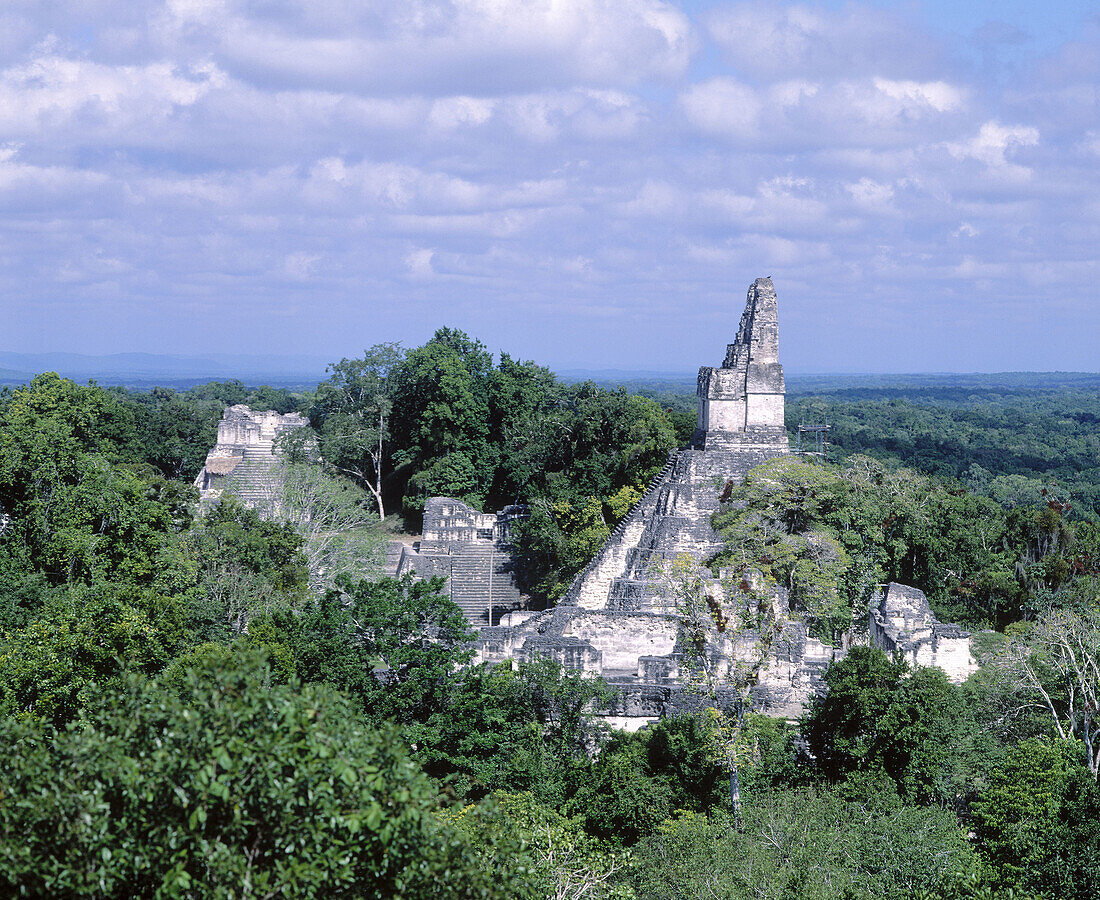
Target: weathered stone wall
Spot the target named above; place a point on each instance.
(747, 393)
(469, 549)
(902, 624)
(241, 460)
(449, 522)
(624, 639)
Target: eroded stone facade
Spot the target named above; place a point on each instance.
(470, 549)
(617, 619)
(741, 404)
(902, 623)
(241, 460)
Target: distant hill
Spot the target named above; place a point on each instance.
(934, 387)
(144, 370)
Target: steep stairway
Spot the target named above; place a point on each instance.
(471, 584)
(252, 480)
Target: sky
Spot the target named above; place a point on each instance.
(586, 183)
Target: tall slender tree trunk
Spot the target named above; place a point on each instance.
(735, 795)
(378, 468)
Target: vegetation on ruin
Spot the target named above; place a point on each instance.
(187, 711)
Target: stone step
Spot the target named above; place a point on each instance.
(393, 556)
(470, 582)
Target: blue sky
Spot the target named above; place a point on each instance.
(588, 183)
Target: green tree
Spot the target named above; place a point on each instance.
(532, 727)
(526, 419)
(351, 412)
(175, 432)
(560, 861)
(393, 644)
(441, 419)
(231, 788)
(81, 503)
(879, 716)
(809, 845)
(1037, 820)
(620, 799)
(245, 566)
(1054, 666)
(81, 638)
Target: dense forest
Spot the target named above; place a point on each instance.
(217, 705)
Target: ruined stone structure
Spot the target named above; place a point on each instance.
(741, 404)
(617, 620)
(903, 624)
(241, 460)
(469, 549)
(740, 425)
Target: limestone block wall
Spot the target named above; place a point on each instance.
(569, 652)
(723, 414)
(764, 409)
(499, 643)
(901, 623)
(623, 639)
(423, 565)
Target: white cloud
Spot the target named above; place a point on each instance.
(723, 106)
(774, 40)
(49, 92)
(419, 262)
(476, 45)
(26, 187)
(538, 156)
(583, 113)
(991, 145)
(655, 198)
(300, 266)
(871, 194)
(456, 112)
(938, 95)
(971, 267)
(798, 113)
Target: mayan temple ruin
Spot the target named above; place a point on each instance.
(616, 619)
(469, 549)
(242, 459)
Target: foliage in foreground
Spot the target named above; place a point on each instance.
(227, 786)
(813, 845)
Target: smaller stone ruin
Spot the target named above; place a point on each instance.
(241, 461)
(902, 624)
(470, 549)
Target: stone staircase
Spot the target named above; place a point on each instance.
(252, 480)
(471, 584)
(591, 586)
(673, 517)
